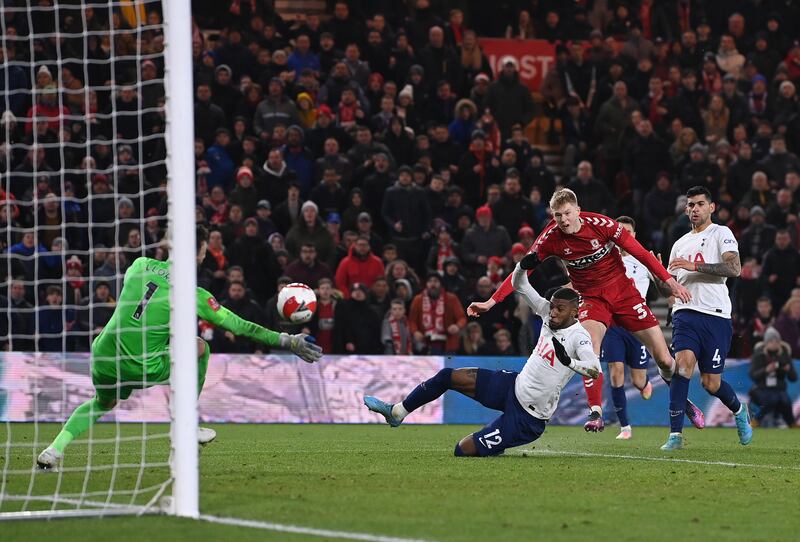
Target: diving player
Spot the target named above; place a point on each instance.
(527, 399)
(132, 351)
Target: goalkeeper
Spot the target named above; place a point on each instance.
(132, 351)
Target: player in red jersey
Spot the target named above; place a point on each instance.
(585, 242)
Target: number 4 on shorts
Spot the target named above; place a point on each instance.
(716, 359)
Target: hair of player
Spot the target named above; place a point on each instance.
(699, 191)
(563, 197)
(625, 219)
(567, 294)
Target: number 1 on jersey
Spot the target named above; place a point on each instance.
(151, 289)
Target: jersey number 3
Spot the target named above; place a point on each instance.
(151, 289)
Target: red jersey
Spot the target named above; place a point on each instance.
(589, 254)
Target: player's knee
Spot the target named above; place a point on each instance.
(465, 447)
(444, 377)
(711, 385)
(106, 404)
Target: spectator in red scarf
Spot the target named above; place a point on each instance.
(436, 318)
(443, 249)
(477, 169)
(395, 333)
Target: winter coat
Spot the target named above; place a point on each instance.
(357, 269)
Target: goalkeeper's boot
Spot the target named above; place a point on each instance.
(647, 391)
(674, 442)
(743, 425)
(695, 415)
(595, 424)
(625, 433)
(205, 435)
(49, 460)
(384, 409)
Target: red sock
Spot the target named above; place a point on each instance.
(594, 390)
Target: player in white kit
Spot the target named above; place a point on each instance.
(702, 260)
(528, 398)
(620, 347)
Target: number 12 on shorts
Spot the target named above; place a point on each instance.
(489, 443)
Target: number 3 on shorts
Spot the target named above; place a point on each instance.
(641, 310)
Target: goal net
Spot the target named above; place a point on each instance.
(88, 177)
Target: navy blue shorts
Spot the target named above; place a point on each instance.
(709, 337)
(515, 427)
(620, 345)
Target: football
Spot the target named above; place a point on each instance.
(297, 303)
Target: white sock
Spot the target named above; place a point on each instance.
(596, 408)
(741, 406)
(399, 411)
(676, 434)
(626, 428)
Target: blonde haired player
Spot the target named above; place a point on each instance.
(586, 243)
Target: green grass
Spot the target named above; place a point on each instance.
(405, 482)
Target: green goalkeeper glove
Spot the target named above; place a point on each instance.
(301, 347)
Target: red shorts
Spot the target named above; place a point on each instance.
(620, 304)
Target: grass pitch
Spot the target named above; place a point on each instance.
(406, 483)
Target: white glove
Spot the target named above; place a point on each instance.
(305, 350)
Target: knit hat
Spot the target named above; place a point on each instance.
(497, 260)
(757, 210)
(263, 204)
(244, 170)
(127, 202)
(364, 217)
(334, 218)
(525, 230)
(309, 204)
(772, 334)
(484, 210)
(408, 90)
(74, 263)
(518, 248)
(324, 110)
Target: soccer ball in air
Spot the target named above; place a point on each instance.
(297, 303)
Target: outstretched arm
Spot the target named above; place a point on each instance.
(520, 282)
(209, 309)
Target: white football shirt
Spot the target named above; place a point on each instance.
(638, 273)
(709, 292)
(539, 384)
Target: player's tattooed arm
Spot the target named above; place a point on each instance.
(731, 266)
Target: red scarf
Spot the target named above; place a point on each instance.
(444, 252)
(219, 257)
(433, 316)
(401, 347)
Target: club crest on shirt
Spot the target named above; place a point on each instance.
(567, 250)
(595, 243)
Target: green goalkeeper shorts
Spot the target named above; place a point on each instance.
(115, 377)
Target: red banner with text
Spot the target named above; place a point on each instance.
(535, 57)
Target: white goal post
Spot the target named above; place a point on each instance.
(38, 390)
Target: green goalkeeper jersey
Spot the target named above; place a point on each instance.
(139, 328)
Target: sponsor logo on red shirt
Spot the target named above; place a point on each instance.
(213, 303)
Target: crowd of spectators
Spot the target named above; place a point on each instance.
(377, 155)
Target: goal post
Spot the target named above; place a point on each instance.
(180, 163)
(65, 152)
